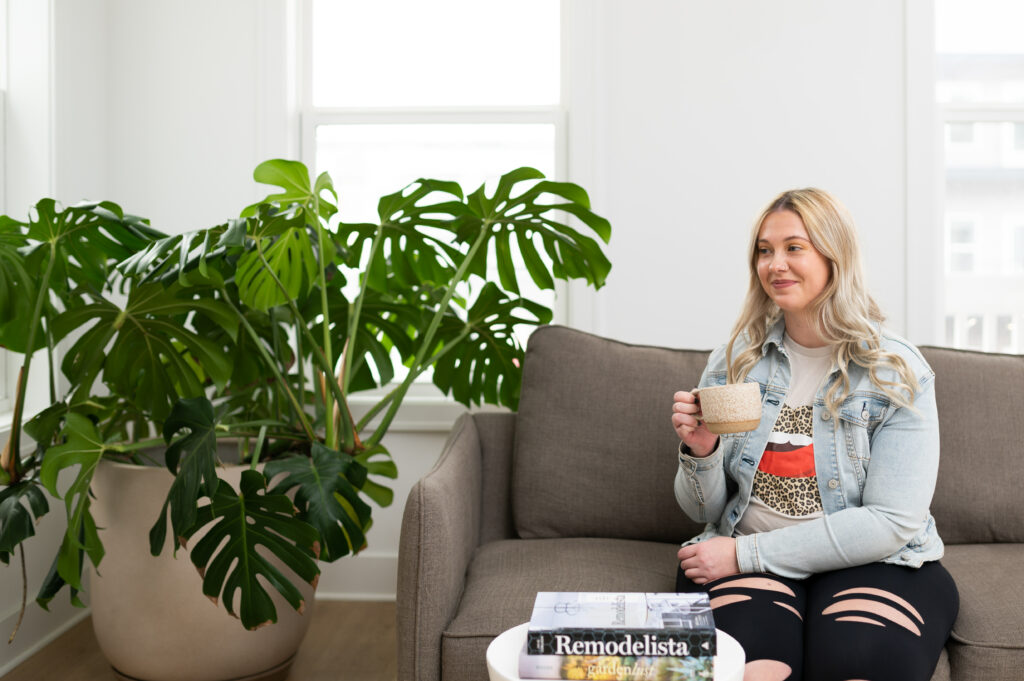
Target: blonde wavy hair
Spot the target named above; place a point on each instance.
(846, 316)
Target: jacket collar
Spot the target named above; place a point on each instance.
(774, 335)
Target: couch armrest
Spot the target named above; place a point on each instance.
(440, 532)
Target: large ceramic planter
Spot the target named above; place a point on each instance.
(150, 616)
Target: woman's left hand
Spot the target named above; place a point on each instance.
(709, 560)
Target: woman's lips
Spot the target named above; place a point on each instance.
(783, 283)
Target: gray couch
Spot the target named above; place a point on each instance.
(574, 493)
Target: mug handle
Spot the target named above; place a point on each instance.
(700, 414)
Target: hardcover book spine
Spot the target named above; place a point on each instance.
(621, 642)
(615, 668)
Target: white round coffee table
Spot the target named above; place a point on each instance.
(503, 656)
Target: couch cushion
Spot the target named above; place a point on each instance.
(982, 445)
(504, 577)
(595, 453)
(988, 635)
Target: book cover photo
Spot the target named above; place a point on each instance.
(615, 668)
(621, 624)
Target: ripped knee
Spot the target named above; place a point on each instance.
(763, 583)
(878, 607)
(752, 583)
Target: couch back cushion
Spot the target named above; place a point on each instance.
(981, 429)
(595, 452)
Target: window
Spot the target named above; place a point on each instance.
(961, 133)
(961, 246)
(980, 97)
(1017, 249)
(1006, 329)
(441, 98)
(975, 324)
(460, 90)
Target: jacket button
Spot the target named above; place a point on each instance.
(833, 483)
(827, 416)
(865, 415)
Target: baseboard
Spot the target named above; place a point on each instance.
(38, 629)
(365, 577)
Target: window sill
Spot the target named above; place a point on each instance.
(424, 409)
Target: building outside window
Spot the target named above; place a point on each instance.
(980, 92)
(1017, 249)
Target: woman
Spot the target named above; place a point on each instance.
(820, 553)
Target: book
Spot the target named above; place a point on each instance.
(616, 668)
(621, 624)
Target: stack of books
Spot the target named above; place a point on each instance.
(609, 636)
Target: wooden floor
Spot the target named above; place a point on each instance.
(347, 641)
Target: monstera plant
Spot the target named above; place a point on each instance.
(259, 330)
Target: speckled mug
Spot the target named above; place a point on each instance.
(730, 408)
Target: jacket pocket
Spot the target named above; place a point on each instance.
(859, 416)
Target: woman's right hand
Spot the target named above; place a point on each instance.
(693, 432)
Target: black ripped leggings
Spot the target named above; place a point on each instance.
(878, 622)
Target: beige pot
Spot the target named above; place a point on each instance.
(151, 618)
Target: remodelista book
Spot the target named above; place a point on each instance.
(610, 668)
(621, 624)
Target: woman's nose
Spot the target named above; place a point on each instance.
(778, 264)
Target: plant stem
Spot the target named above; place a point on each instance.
(300, 363)
(14, 448)
(24, 594)
(331, 437)
(318, 354)
(276, 341)
(259, 447)
(270, 363)
(50, 364)
(139, 444)
(357, 309)
(426, 344)
(386, 400)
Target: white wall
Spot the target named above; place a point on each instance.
(683, 122)
(701, 118)
(29, 133)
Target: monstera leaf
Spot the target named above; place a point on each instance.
(21, 507)
(152, 347)
(283, 261)
(84, 448)
(527, 216)
(18, 289)
(481, 358)
(386, 321)
(187, 258)
(228, 555)
(378, 462)
(326, 486)
(411, 245)
(292, 177)
(196, 452)
(84, 241)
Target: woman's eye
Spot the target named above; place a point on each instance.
(762, 251)
(794, 247)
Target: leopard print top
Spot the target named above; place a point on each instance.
(785, 480)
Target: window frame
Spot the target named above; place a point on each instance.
(7, 369)
(927, 222)
(425, 408)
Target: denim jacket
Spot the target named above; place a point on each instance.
(876, 469)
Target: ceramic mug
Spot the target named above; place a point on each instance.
(730, 408)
